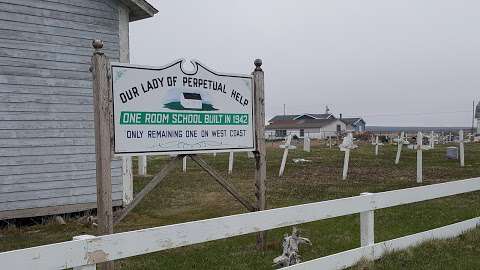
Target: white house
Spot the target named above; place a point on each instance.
(318, 126)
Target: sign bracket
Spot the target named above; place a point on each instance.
(121, 214)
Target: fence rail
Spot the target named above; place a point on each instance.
(87, 251)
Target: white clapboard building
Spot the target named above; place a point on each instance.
(47, 153)
(318, 126)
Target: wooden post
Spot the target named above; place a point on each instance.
(103, 150)
(419, 157)
(462, 148)
(230, 163)
(260, 152)
(85, 267)
(142, 165)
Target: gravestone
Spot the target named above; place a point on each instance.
(287, 146)
(306, 144)
(452, 153)
(346, 146)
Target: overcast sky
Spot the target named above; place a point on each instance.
(400, 63)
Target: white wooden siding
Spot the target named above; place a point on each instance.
(47, 153)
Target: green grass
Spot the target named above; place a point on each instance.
(194, 195)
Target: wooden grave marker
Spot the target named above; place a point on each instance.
(346, 146)
(287, 146)
(377, 144)
(306, 144)
(401, 140)
(419, 147)
(461, 141)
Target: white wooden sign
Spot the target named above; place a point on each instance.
(167, 110)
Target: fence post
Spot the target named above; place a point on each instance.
(85, 267)
(367, 222)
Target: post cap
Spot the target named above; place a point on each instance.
(97, 44)
(258, 64)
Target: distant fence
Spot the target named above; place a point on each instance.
(87, 251)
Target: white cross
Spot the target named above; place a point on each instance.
(462, 148)
(419, 147)
(376, 143)
(184, 164)
(142, 165)
(230, 163)
(306, 144)
(431, 140)
(400, 142)
(346, 146)
(286, 147)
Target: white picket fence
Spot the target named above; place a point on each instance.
(87, 251)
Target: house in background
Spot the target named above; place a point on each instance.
(315, 126)
(47, 149)
(355, 124)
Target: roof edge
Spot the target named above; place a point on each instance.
(139, 9)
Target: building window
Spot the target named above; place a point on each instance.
(280, 133)
(302, 132)
(339, 128)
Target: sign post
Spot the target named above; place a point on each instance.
(260, 151)
(103, 150)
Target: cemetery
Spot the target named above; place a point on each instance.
(110, 165)
(190, 195)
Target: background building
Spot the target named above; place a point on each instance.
(318, 126)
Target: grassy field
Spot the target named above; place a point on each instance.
(194, 195)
